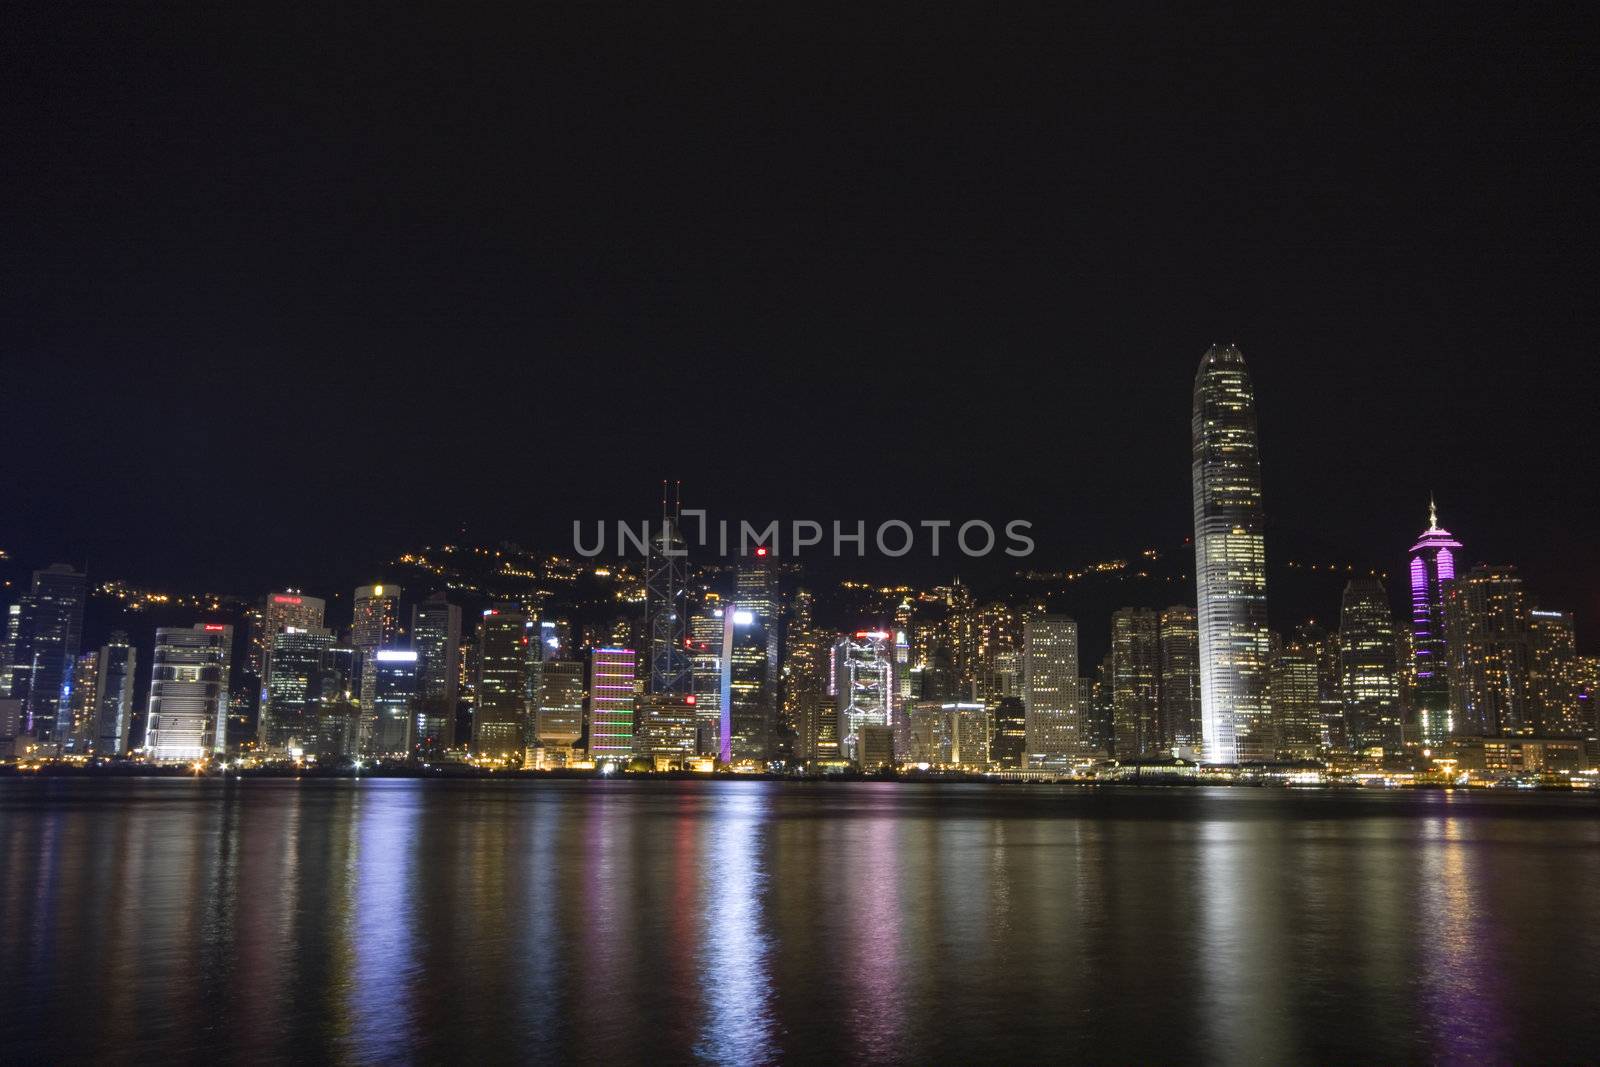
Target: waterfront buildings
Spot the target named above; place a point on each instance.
(1230, 562)
(1053, 730)
(188, 693)
(1432, 568)
(1368, 678)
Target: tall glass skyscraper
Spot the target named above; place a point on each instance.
(1368, 682)
(1433, 566)
(50, 627)
(1230, 565)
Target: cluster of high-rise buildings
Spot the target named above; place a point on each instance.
(733, 668)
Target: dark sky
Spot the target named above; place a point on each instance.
(288, 286)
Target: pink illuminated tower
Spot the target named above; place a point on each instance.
(1433, 564)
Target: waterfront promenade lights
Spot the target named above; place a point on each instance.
(731, 617)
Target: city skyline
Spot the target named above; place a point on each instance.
(744, 534)
(703, 665)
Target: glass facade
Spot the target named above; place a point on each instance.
(1230, 563)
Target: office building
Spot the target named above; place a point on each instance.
(1368, 675)
(49, 632)
(375, 624)
(1180, 680)
(292, 693)
(188, 693)
(1135, 681)
(392, 720)
(863, 681)
(118, 667)
(500, 701)
(1054, 726)
(612, 677)
(1486, 630)
(1230, 562)
(436, 638)
(1433, 568)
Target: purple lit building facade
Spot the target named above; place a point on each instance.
(1433, 566)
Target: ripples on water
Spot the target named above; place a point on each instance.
(744, 922)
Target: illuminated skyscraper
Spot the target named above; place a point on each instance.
(612, 672)
(863, 681)
(119, 661)
(1553, 684)
(49, 632)
(1180, 679)
(500, 710)
(392, 719)
(1433, 566)
(705, 672)
(375, 625)
(188, 693)
(292, 689)
(1486, 625)
(1369, 683)
(82, 699)
(278, 612)
(8, 647)
(1135, 676)
(1297, 698)
(559, 725)
(755, 659)
(666, 581)
(1052, 708)
(1230, 562)
(436, 637)
(1008, 725)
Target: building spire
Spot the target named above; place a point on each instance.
(1433, 513)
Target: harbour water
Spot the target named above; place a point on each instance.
(743, 922)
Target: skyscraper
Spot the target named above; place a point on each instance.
(1297, 697)
(1230, 562)
(666, 581)
(375, 625)
(436, 638)
(119, 661)
(82, 702)
(292, 688)
(863, 684)
(188, 693)
(705, 672)
(278, 612)
(611, 690)
(1135, 675)
(1369, 681)
(1486, 625)
(1553, 675)
(1052, 708)
(8, 647)
(500, 711)
(392, 722)
(755, 659)
(1433, 567)
(49, 632)
(559, 725)
(1180, 679)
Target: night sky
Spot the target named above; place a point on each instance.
(285, 289)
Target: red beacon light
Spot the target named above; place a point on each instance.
(761, 550)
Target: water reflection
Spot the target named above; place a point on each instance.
(734, 945)
(1459, 966)
(381, 922)
(745, 922)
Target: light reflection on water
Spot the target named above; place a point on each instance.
(749, 922)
